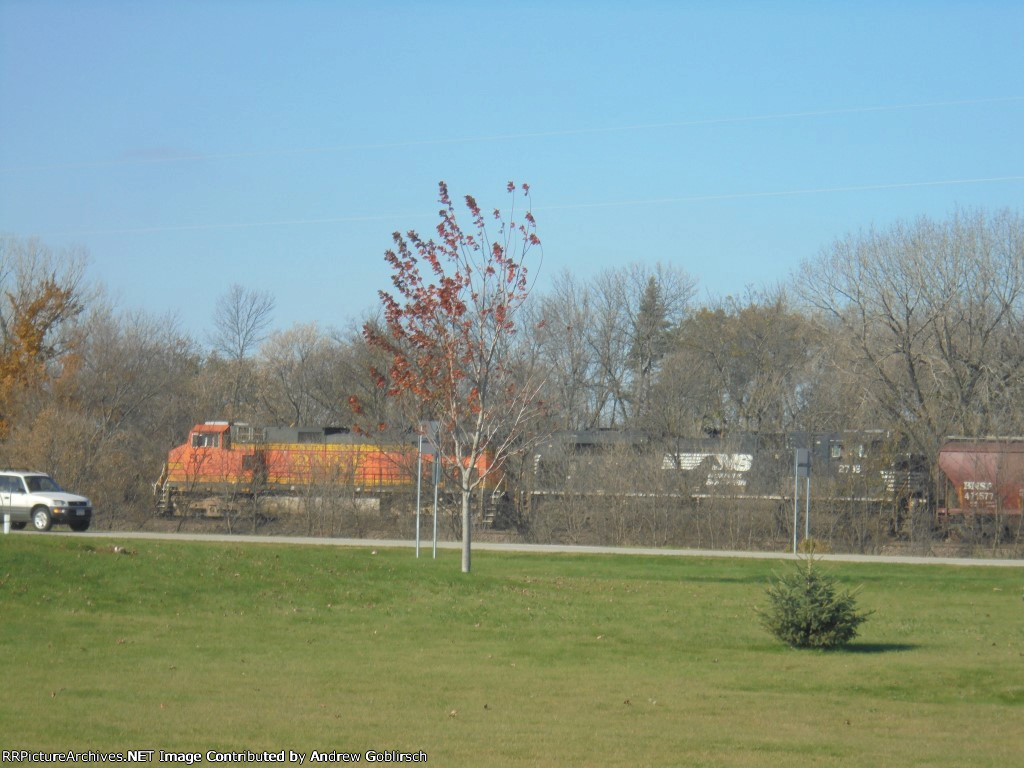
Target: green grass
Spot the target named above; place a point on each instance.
(532, 660)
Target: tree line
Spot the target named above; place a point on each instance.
(914, 328)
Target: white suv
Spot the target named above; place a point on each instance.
(35, 497)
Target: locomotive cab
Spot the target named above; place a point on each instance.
(211, 436)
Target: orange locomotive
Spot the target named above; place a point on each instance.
(222, 461)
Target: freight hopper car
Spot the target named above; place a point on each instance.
(222, 463)
(984, 477)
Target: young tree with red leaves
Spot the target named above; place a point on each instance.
(448, 333)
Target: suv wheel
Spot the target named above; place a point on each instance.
(41, 519)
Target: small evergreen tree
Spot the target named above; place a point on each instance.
(806, 610)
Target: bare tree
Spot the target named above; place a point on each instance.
(559, 325)
(240, 321)
(241, 318)
(739, 366)
(934, 315)
(603, 341)
(295, 365)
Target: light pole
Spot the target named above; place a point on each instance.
(801, 468)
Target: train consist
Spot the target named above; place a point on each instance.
(222, 462)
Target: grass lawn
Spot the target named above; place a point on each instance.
(531, 660)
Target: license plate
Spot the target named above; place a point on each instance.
(80, 513)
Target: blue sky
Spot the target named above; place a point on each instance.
(191, 145)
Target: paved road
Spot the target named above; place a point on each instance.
(535, 548)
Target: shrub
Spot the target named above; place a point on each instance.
(805, 609)
(814, 547)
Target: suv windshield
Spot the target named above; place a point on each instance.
(43, 483)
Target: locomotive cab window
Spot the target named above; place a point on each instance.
(836, 450)
(205, 440)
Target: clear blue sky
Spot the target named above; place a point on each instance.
(191, 145)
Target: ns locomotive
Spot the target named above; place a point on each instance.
(866, 466)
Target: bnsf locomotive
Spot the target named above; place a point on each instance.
(222, 462)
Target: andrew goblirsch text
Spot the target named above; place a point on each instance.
(212, 756)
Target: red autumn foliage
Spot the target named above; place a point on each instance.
(449, 324)
(452, 305)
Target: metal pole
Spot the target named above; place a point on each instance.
(437, 481)
(796, 496)
(807, 514)
(419, 482)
